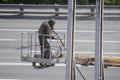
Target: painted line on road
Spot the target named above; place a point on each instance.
(92, 41)
(92, 53)
(31, 30)
(26, 64)
(83, 41)
(24, 30)
(10, 79)
(30, 64)
(7, 39)
(14, 64)
(83, 52)
(84, 31)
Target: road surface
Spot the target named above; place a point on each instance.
(12, 68)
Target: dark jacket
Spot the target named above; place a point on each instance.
(45, 28)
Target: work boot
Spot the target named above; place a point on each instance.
(47, 64)
(41, 64)
(52, 64)
(33, 64)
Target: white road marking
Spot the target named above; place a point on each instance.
(24, 30)
(30, 30)
(84, 31)
(92, 53)
(10, 79)
(14, 64)
(25, 64)
(81, 41)
(7, 39)
(92, 41)
(83, 52)
(30, 64)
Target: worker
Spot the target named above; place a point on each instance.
(44, 31)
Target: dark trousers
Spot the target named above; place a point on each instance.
(44, 47)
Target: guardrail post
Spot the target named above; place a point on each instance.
(21, 10)
(56, 10)
(92, 10)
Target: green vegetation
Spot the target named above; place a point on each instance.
(62, 2)
(112, 2)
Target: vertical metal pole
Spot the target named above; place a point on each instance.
(22, 44)
(70, 58)
(36, 42)
(43, 49)
(28, 44)
(99, 65)
(50, 46)
(31, 45)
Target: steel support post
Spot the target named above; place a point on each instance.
(99, 65)
(70, 60)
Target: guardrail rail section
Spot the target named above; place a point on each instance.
(21, 9)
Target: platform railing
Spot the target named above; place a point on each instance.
(31, 49)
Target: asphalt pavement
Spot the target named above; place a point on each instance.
(12, 68)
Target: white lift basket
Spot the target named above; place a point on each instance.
(30, 47)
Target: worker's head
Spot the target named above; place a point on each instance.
(51, 23)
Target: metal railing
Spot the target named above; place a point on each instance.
(31, 48)
(57, 10)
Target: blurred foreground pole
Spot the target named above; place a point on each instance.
(99, 64)
(70, 60)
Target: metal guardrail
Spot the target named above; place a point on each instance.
(21, 9)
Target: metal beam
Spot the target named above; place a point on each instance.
(70, 60)
(99, 65)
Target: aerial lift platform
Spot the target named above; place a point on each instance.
(31, 52)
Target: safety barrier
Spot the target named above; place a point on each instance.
(22, 9)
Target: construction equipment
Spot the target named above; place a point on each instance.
(109, 61)
(31, 52)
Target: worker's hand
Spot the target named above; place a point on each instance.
(56, 38)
